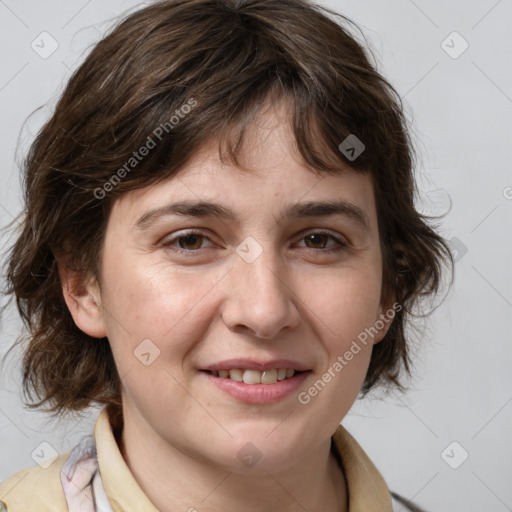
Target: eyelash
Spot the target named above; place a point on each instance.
(169, 244)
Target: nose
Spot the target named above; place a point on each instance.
(260, 299)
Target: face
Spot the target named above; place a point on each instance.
(263, 280)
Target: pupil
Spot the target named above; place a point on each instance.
(189, 240)
(315, 236)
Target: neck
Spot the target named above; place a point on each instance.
(174, 480)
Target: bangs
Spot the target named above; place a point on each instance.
(310, 132)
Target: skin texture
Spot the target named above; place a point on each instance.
(296, 301)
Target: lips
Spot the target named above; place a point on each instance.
(257, 394)
(270, 376)
(257, 381)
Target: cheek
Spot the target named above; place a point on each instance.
(160, 312)
(156, 303)
(344, 308)
(343, 304)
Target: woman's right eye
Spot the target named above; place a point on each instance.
(186, 243)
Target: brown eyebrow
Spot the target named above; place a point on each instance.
(299, 210)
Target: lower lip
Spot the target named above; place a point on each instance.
(258, 393)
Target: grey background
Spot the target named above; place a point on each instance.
(461, 110)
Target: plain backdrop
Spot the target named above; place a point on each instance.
(446, 443)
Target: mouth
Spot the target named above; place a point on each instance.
(250, 376)
(256, 382)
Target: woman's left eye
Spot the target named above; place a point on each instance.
(319, 237)
(190, 242)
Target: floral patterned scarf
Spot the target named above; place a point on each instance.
(81, 479)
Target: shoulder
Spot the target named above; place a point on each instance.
(35, 488)
(367, 488)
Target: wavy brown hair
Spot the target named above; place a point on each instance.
(227, 57)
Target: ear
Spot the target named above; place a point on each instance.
(83, 301)
(384, 319)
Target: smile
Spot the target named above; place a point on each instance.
(270, 376)
(246, 385)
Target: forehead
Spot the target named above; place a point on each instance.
(270, 176)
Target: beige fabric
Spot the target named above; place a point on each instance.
(35, 488)
(40, 489)
(367, 489)
(121, 488)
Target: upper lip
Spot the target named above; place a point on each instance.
(252, 364)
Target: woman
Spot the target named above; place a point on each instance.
(220, 245)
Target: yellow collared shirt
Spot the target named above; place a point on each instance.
(103, 479)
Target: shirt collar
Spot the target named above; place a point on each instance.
(121, 488)
(366, 487)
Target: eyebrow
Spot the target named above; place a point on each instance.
(203, 209)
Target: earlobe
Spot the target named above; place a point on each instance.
(83, 301)
(383, 322)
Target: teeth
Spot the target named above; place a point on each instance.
(269, 377)
(256, 377)
(251, 376)
(236, 375)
